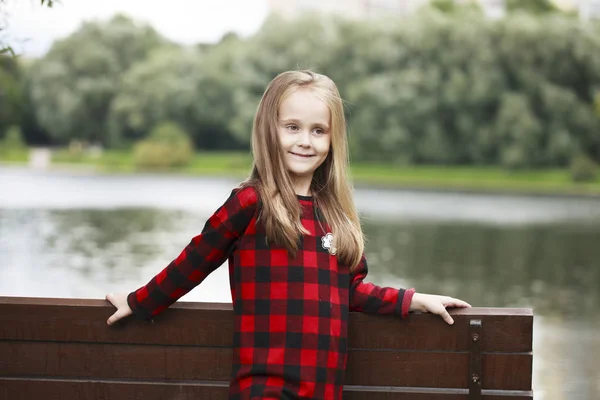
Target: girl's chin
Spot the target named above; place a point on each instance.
(301, 173)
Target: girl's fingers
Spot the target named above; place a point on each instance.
(438, 305)
(113, 318)
(119, 314)
(446, 316)
(457, 303)
(122, 309)
(111, 298)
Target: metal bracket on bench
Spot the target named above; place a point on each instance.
(475, 359)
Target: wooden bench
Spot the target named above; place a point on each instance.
(55, 348)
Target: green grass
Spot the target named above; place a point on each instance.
(474, 178)
(237, 164)
(220, 163)
(14, 156)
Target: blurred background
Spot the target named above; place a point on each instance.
(474, 131)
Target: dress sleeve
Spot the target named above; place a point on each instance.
(372, 299)
(205, 253)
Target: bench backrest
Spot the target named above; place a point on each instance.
(62, 349)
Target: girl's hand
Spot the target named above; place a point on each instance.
(436, 305)
(118, 300)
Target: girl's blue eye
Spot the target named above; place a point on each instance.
(292, 127)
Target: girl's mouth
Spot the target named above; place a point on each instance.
(302, 155)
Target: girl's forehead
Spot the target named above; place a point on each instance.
(304, 104)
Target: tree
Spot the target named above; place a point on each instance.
(451, 6)
(531, 6)
(440, 88)
(73, 86)
(435, 89)
(11, 93)
(187, 91)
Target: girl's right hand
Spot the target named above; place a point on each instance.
(118, 300)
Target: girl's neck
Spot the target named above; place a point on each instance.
(302, 188)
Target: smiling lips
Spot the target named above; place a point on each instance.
(302, 155)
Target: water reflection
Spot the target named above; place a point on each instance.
(116, 242)
(552, 267)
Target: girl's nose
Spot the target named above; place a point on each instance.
(304, 138)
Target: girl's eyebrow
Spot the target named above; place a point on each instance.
(294, 120)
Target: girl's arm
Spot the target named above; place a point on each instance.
(205, 253)
(372, 299)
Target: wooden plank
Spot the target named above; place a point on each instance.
(365, 367)
(60, 389)
(205, 324)
(431, 369)
(54, 359)
(502, 333)
(210, 324)
(34, 389)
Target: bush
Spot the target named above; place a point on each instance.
(168, 146)
(583, 169)
(13, 141)
(13, 147)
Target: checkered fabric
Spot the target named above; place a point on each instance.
(291, 313)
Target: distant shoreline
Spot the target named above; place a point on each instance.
(404, 182)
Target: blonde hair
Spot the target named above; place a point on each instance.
(331, 185)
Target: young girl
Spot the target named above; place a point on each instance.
(295, 247)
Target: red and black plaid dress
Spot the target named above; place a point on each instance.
(291, 313)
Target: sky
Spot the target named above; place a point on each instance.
(31, 28)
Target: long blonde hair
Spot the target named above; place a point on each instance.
(331, 184)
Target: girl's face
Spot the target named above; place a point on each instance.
(303, 128)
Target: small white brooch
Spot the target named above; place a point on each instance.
(326, 242)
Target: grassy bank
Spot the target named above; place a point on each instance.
(555, 181)
(14, 156)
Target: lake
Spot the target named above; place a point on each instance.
(81, 235)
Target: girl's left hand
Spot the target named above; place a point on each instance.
(436, 305)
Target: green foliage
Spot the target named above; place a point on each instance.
(185, 92)
(168, 146)
(444, 5)
(531, 6)
(16, 108)
(439, 88)
(583, 169)
(11, 93)
(13, 140)
(451, 92)
(518, 132)
(73, 85)
(12, 146)
(451, 6)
